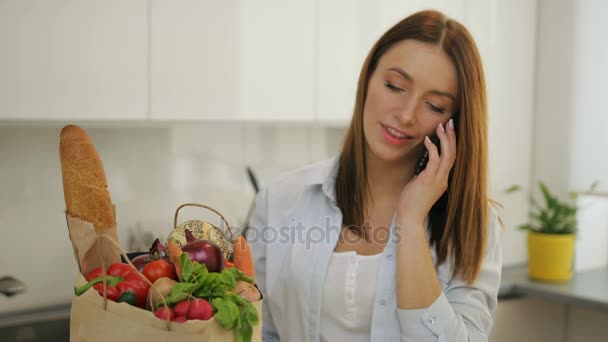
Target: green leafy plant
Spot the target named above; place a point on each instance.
(554, 216)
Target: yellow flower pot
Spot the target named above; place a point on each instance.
(550, 256)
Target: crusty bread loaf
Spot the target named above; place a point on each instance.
(84, 181)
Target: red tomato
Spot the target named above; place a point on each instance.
(158, 269)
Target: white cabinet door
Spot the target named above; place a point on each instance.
(347, 31)
(194, 59)
(73, 59)
(277, 60)
(344, 39)
(232, 60)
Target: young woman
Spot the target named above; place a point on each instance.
(365, 246)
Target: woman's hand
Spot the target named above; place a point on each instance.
(421, 193)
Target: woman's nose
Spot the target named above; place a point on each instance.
(407, 114)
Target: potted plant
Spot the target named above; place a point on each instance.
(551, 235)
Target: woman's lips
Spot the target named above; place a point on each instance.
(390, 136)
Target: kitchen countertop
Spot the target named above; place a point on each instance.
(588, 288)
(48, 313)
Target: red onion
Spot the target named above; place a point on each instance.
(206, 252)
(140, 261)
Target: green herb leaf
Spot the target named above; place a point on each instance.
(227, 312)
(199, 269)
(187, 267)
(245, 329)
(179, 292)
(234, 312)
(174, 299)
(211, 285)
(183, 288)
(231, 276)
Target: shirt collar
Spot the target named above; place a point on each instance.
(326, 177)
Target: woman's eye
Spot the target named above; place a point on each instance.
(393, 87)
(435, 108)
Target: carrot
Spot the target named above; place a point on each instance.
(242, 258)
(175, 252)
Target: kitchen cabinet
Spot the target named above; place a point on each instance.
(188, 60)
(232, 60)
(73, 59)
(347, 31)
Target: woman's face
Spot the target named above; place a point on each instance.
(412, 90)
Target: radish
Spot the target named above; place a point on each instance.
(200, 309)
(179, 319)
(181, 308)
(162, 313)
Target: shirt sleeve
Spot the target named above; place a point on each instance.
(462, 312)
(258, 249)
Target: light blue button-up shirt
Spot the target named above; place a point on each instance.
(294, 231)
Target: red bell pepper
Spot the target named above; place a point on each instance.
(121, 279)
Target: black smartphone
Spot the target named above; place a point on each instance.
(425, 158)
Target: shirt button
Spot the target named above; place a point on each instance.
(353, 259)
(389, 257)
(382, 302)
(431, 320)
(333, 203)
(349, 316)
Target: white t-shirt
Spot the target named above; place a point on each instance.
(348, 297)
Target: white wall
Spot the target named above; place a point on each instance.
(589, 105)
(571, 109)
(554, 89)
(510, 59)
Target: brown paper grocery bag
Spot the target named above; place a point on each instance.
(90, 322)
(122, 322)
(85, 244)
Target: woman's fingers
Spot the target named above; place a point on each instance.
(442, 157)
(447, 138)
(433, 163)
(452, 135)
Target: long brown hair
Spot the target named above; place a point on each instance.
(458, 220)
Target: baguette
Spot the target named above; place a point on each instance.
(85, 187)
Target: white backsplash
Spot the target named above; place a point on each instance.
(150, 170)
